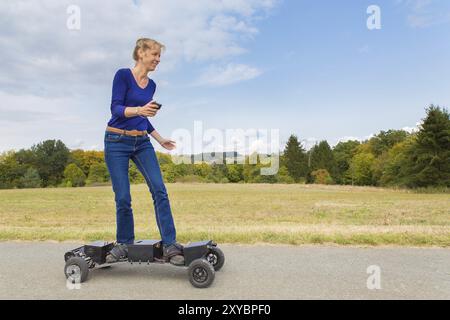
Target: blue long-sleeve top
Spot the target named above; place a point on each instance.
(127, 93)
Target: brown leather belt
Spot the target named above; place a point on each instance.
(133, 133)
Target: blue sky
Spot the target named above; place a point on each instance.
(310, 68)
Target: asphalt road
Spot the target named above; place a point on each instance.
(34, 270)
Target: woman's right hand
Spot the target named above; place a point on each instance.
(149, 110)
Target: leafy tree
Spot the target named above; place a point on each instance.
(380, 146)
(169, 173)
(224, 180)
(250, 171)
(50, 161)
(163, 158)
(219, 172)
(361, 168)
(25, 157)
(322, 158)
(85, 159)
(385, 140)
(343, 153)
(184, 169)
(210, 178)
(379, 166)
(265, 179)
(98, 173)
(11, 171)
(322, 176)
(395, 171)
(283, 176)
(31, 179)
(74, 176)
(235, 173)
(202, 169)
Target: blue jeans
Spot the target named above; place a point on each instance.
(119, 149)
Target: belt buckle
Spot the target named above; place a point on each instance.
(133, 133)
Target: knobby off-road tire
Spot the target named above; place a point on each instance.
(201, 273)
(216, 257)
(76, 270)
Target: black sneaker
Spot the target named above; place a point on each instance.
(118, 253)
(174, 254)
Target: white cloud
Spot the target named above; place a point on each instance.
(351, 138)
(413, 129)
(416, 128)
(40, 49)
(77, 144)
(231, 73)
(425, 13)
(95, 147)
(28, 119)
(53, 78)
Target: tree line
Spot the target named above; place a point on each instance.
(393, 158)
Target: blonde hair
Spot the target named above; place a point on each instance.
(144, 44)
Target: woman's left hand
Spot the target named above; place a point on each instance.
(167, 144)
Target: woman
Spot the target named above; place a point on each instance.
(126, 138)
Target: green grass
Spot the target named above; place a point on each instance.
(236, 213)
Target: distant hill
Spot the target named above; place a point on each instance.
(213, 157)
(229, 157)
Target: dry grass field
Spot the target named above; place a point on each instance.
(236, 213)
